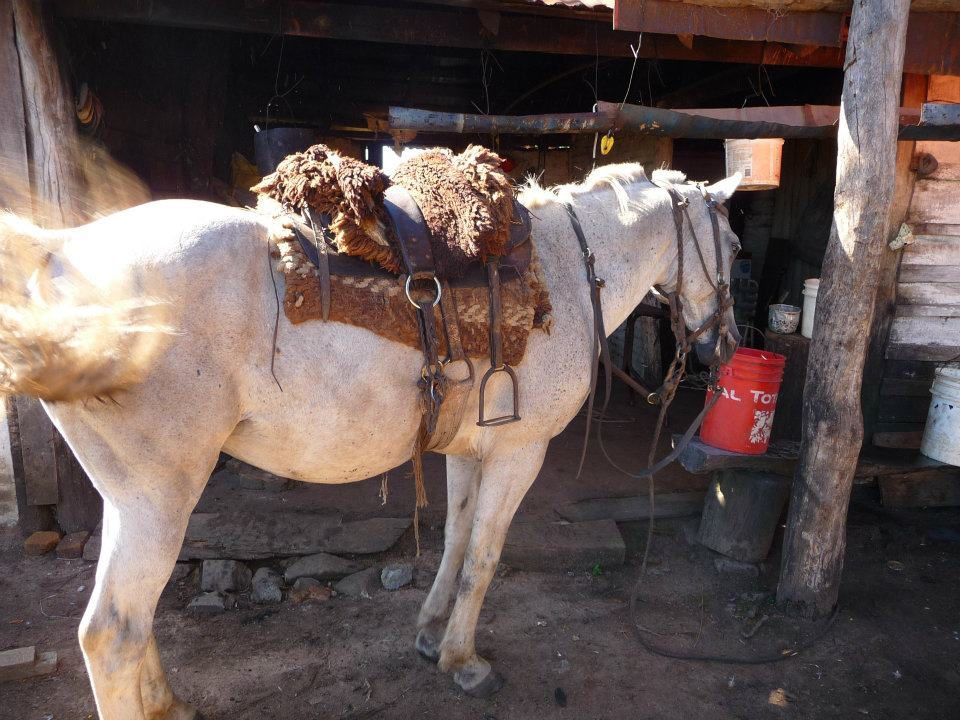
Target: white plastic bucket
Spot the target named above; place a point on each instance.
(810, 288)
(941, 436)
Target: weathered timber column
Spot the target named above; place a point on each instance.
(832, 422)
(43, 178)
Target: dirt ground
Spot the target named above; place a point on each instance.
(562, 640)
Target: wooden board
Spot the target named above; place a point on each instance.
(929, 293)
(928, 311)
(36, 447)
(898, 409)
(921, 490)
(668, 505)
(935, 201)
(929, 273)
(899, 439)
(781, 458)
(932, 249)
(910, 388)
(924, 338)
(909, 370)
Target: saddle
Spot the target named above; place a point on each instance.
(441, 221)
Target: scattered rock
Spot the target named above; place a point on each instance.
(366, 537)
(266, 587)
(208, 603)
(396, 575)
(321, 566)
(306, 589)
(71, 546)
(224, 576)
(726, 565)
(40, 543)
(180, 571)
(91, 551)
(362, 584)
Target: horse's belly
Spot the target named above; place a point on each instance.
(341, 418)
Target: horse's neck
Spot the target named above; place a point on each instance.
(632, 253)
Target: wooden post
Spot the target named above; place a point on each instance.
(832, 421)
(39, 148)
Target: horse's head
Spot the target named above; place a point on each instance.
(704, 291)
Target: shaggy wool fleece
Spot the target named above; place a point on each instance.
(466, 201)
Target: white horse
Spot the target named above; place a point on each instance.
(348, 408)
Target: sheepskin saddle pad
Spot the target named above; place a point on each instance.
(467, 202)
(370, 297)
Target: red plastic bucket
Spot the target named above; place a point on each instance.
(743, 416)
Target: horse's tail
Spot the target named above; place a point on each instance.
(61, 337)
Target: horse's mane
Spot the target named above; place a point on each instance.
(615, 177)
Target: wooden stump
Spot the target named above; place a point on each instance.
(741, 512)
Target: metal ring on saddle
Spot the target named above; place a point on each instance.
(436, 300)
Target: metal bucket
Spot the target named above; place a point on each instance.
(941, 436)
(273, 145)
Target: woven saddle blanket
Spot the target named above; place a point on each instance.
(468, 205)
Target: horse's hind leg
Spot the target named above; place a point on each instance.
(508, 471)
(463, 479)
(143, 531)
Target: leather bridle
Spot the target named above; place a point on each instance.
(685, 340)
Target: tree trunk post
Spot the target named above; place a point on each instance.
(832, 420)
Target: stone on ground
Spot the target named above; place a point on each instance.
(208, 603)
(306, 589)
(396, 575)
(266, 587)
(224, 576)
(726, 565)
(71, 546)
(564, 546)
(321, 566)
(40, 543)
(366, 537)
(362, 584)
(91, 551)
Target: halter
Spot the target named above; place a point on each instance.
(680, 206)
(684, 340)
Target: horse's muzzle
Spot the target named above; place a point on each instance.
(714, 349)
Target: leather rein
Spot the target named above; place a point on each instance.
(685, 340)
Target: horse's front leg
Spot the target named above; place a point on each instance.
(508, 470)
(463, 480)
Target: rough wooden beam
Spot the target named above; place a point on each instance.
(815, 540)
(793, 121)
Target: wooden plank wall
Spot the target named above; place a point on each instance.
(926, 327)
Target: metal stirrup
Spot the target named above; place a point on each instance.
(497, 365)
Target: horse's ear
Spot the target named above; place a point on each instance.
(723, 190)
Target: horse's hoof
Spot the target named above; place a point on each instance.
(427, 646)
(491, 684)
